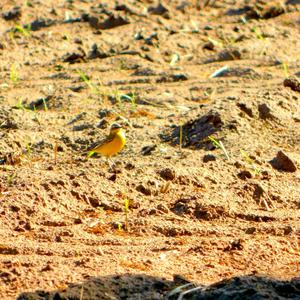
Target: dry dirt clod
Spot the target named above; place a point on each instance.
(144, 190)
(283, 162)
(293, 83)
(208, 157)
(265, 111)
(14, 13)
(167, 174)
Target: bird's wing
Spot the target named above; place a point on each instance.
(102, 142)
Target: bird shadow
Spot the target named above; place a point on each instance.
(144, 287)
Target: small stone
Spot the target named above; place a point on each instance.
(244, 175)
(144, 190)
(283, 162)
(264, 111)
(163, 208)
(14, 13)
(208, 157)
(159, 10)
(73, 57)
(288, 230)
(147, 150)
(250, 230)
(167, 174)
(129, 166)
(293, 83)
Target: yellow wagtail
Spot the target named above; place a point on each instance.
(112, 144)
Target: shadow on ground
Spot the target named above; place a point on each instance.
(143, 287)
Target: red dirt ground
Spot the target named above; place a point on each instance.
(69, 69)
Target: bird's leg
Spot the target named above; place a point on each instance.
(110, 163)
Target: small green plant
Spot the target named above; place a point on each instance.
(130, 97)
(25, 31)
(11, 175)
(14, 74)
(120, 227)
(88, 82)
(250, 161)
(285, 69)
(257, 33)
(20, 105)
(219, 145)
(45, 104)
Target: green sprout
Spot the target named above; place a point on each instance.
(22, 30)
(258, 33)
(88, 82)
(219, 145)
(14, 75)
(285, 69)
(250, 161)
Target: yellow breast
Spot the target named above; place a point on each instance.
(114, 146)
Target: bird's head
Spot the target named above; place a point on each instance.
(115, 128)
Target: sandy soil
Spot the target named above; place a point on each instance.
(211, 166)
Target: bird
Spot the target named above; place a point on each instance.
(112, 144)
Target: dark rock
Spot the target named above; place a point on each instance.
(167, 174)
(105, 113)
(160, 10)
(209, 46)
(40, 23)
(77, 118)
(244, 175)
(250, 230)
(208, 157)
(144, 190)
(147, 150)
(225, 55)
(97, 53)
(283, 162)
(39, 103)
(77, 88)
(73, 57)
(103, 123)
(82, 127)
(235, 245)
(293, 83)
(264, 111)
(14, 13)
(243, 107)
(111, 22)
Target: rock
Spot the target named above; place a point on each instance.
(147, 150)
(75, 56)
(264, 111)
(39, 103)
(209, 46)
(111, 22)
(244, 175)
(283, 163)
(244, 108)
(81, 127)
(167, 174)
(95, 52)
(293, 83)
(225, 55)
(160, 10)
(208, 157)
(40, 23)
(144, 190)
(14, 13)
